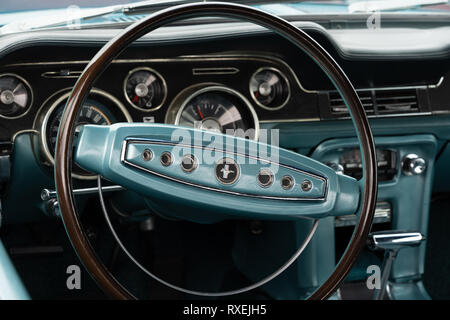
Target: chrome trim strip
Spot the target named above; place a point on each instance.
(383, 214)
(395, 115)
(58, 75)
(426, 86)
(438, 84)
(290, 120)
(159, 142)
(214, 70)
(13, 138)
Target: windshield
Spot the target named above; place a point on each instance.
(24, 5)
(25, 15)
(284, 7)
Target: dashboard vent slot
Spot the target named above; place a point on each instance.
(397, 101)
(381, 101)
(338, 107)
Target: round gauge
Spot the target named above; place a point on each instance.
(269, 88)
(100, 108)
(16, 96)
(92, 112)
(145, 89)
(219, 109)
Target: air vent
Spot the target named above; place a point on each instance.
(381, 101)
(396, 101)
(338, 107)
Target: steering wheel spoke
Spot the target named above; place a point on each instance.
(196, 170)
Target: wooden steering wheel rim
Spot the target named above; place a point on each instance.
(63, 155)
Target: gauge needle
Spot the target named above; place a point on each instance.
(136, 98)
(200, 113)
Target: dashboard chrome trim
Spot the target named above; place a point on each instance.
(214, 70)
(159, 142)
(424, 86)
(246, 56)
(208, 57)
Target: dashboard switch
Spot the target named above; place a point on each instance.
(189, 163)
(265, 178)
(287, 182)
(166, 159)
(306, 185)
(147, 155)
(412, 164)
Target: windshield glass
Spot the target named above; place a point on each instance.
(284, 7)
(24, 5)
(25, 15)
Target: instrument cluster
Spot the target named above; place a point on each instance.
(192, 92)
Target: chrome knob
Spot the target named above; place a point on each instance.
(412, 164)
(339, 168)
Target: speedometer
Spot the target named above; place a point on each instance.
(100, 108)
(219, 109)
(92, 112)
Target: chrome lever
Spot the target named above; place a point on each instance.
(47, 194)
(391, 242)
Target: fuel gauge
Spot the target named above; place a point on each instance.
(16, 96)
(145, 89)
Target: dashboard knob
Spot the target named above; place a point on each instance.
(339, 168)
(412, 164)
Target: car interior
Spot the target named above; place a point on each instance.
(257, 150)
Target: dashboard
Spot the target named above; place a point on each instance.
(226, 93)
(224, 77)
(231, 84)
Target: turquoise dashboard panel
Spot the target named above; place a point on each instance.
(11, 286)
(409, 195)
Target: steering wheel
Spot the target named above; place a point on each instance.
(131, 155)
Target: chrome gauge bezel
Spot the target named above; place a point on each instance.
(221, 89)
(285, 78)
(27, 84)
(163, 81)
(62, 96)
